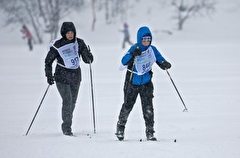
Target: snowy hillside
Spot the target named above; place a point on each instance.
(205, 67)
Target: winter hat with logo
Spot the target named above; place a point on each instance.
(66, 27)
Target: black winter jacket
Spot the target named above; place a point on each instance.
(64, 75)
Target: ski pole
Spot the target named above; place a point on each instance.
(132, 70)
(134, 60)
(91, 78)
(37, 109)
(185, 108)
(128, 85)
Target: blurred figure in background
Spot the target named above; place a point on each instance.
(126, 35)
(28, 35)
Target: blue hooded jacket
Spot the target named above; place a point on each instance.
(146, 77)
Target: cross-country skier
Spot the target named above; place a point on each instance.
(67, 52)
(126, 35)
(28, 35)
(138, 61)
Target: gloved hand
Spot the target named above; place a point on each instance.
(136, 52)
(165, 65)
(50, 80)
(89, 58)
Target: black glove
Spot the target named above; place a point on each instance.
(50, 80)
(136, 52)
(165, 65)
(89, 58)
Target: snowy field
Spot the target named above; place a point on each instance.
(205, 67)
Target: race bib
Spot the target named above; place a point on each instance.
(69, 54)
(144, 62)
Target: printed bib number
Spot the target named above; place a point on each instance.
(144, 62)
(75, 61)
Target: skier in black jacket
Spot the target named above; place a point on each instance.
(67, 51)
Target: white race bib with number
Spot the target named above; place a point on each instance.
(144, 62)
(69, 54)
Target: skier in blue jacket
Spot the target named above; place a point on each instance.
(138, 61)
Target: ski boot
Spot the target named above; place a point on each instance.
(67, 130)
(120, 132)
(149, 135)
(67, 133)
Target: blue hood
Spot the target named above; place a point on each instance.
(142, 31)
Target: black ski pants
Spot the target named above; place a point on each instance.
(69, 93)
(30, 44)
(130, 95)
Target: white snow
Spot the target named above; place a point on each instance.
(205, 68)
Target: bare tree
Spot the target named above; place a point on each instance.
(119, 9)
(21, 12)
(106, 11)
(41, 15)
(94, 14)
(185, 9)
(52, 11)
(112, 9)
(32, 19)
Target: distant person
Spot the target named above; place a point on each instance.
(126, 35)
(28, 35)
(67, 51)
(138, 81)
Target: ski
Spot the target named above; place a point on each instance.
(77, 135)
(145, 140)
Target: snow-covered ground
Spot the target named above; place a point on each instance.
(205, 67)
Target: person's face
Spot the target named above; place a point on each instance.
(146, 41)
(70, 35)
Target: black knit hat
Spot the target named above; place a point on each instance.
(66, 27)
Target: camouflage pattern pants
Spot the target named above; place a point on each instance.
(69, 93)
(130, 95)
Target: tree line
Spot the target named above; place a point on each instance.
(44, 15)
